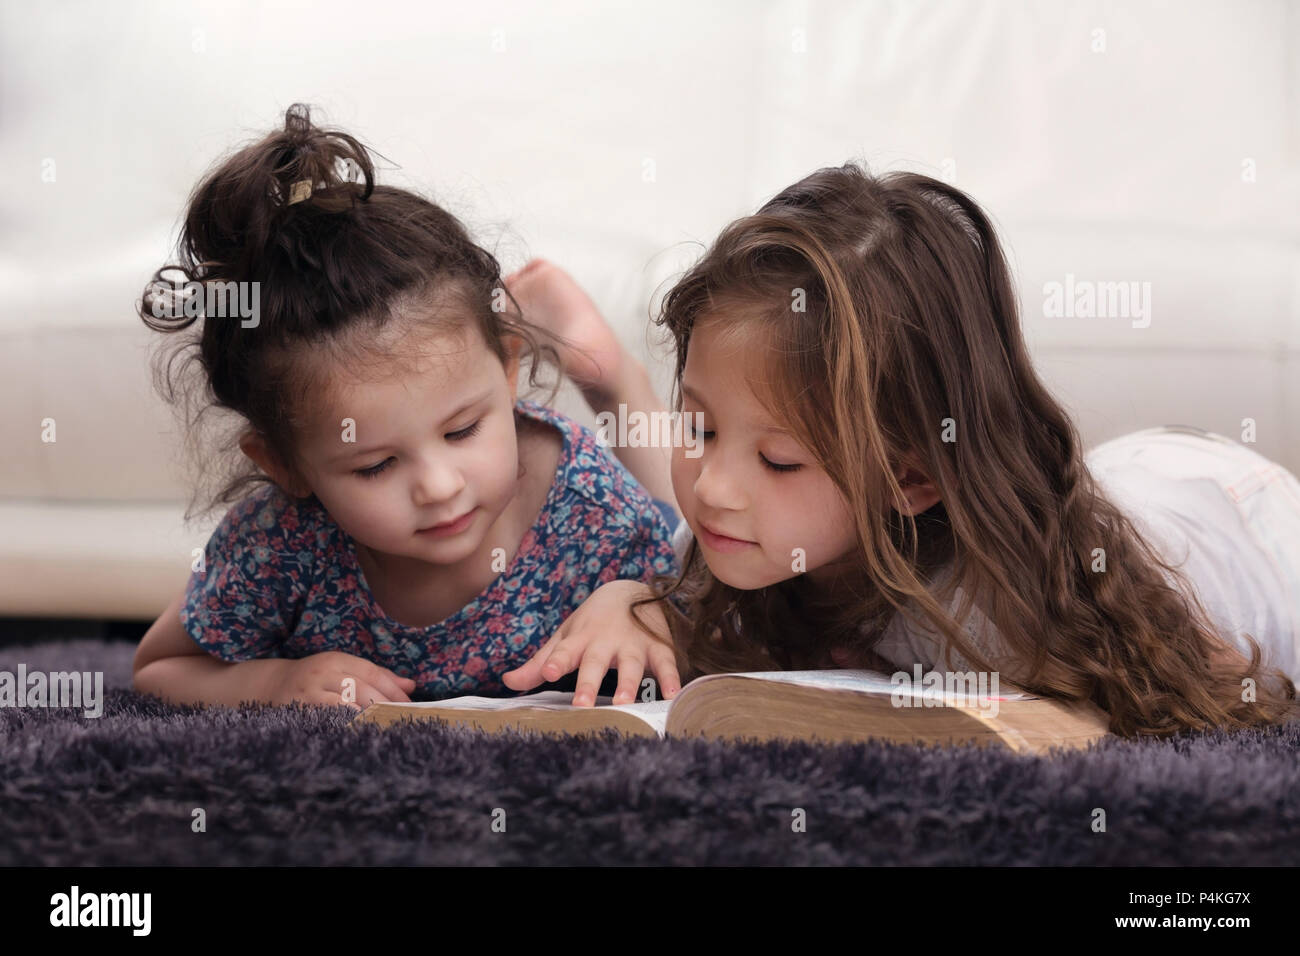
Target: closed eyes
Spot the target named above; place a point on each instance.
(778, 467)
(376, 470)
(770, 465)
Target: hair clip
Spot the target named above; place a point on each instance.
(299, 191)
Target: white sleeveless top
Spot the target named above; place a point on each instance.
(1226, 518)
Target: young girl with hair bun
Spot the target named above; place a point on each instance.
(402, 524)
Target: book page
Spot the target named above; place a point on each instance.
(654, 713)
(546, 700)
(858, 681)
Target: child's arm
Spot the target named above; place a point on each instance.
(170, 665)
(596, 361)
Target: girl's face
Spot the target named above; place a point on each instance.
(760, 507)
(431, 447)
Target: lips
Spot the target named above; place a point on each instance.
(722, 534)
(443, 525)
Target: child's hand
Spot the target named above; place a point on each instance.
(318, 679)
(552, 300)
(600, 632)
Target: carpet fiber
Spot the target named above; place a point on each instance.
(298, 785)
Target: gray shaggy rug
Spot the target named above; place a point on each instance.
(295, 785)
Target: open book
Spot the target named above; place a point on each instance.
(826, 705)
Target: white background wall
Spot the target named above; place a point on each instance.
(1108, 140)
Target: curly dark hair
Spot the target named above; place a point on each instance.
(337, 260)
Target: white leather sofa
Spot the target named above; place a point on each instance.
(1147, 142)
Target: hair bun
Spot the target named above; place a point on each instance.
(318, 165)
(248, 204)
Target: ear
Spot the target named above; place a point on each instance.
(920, 492)
(255, 448)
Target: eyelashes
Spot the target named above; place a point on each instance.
(778, 468)
(464, 433)
(376, 470)
(769, 465)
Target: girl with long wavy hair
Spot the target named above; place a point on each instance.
(886, 481)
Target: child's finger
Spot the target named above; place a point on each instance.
(529, 674)
(366, 695)
(404, 683)
(591, 673)
(385, 682)
(364, 673)
(566, 654)
(631, 668)
(842, 657)
(664, 666)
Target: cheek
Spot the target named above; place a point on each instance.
(837, 532)
(349, 496)
(810, 515)
(491, 467)
(360, 509)
(495, 457)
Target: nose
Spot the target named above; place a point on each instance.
(438, 479)
(718, 486)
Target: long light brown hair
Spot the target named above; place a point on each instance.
(910, 338)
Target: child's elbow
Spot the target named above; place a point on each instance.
(167, 637)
